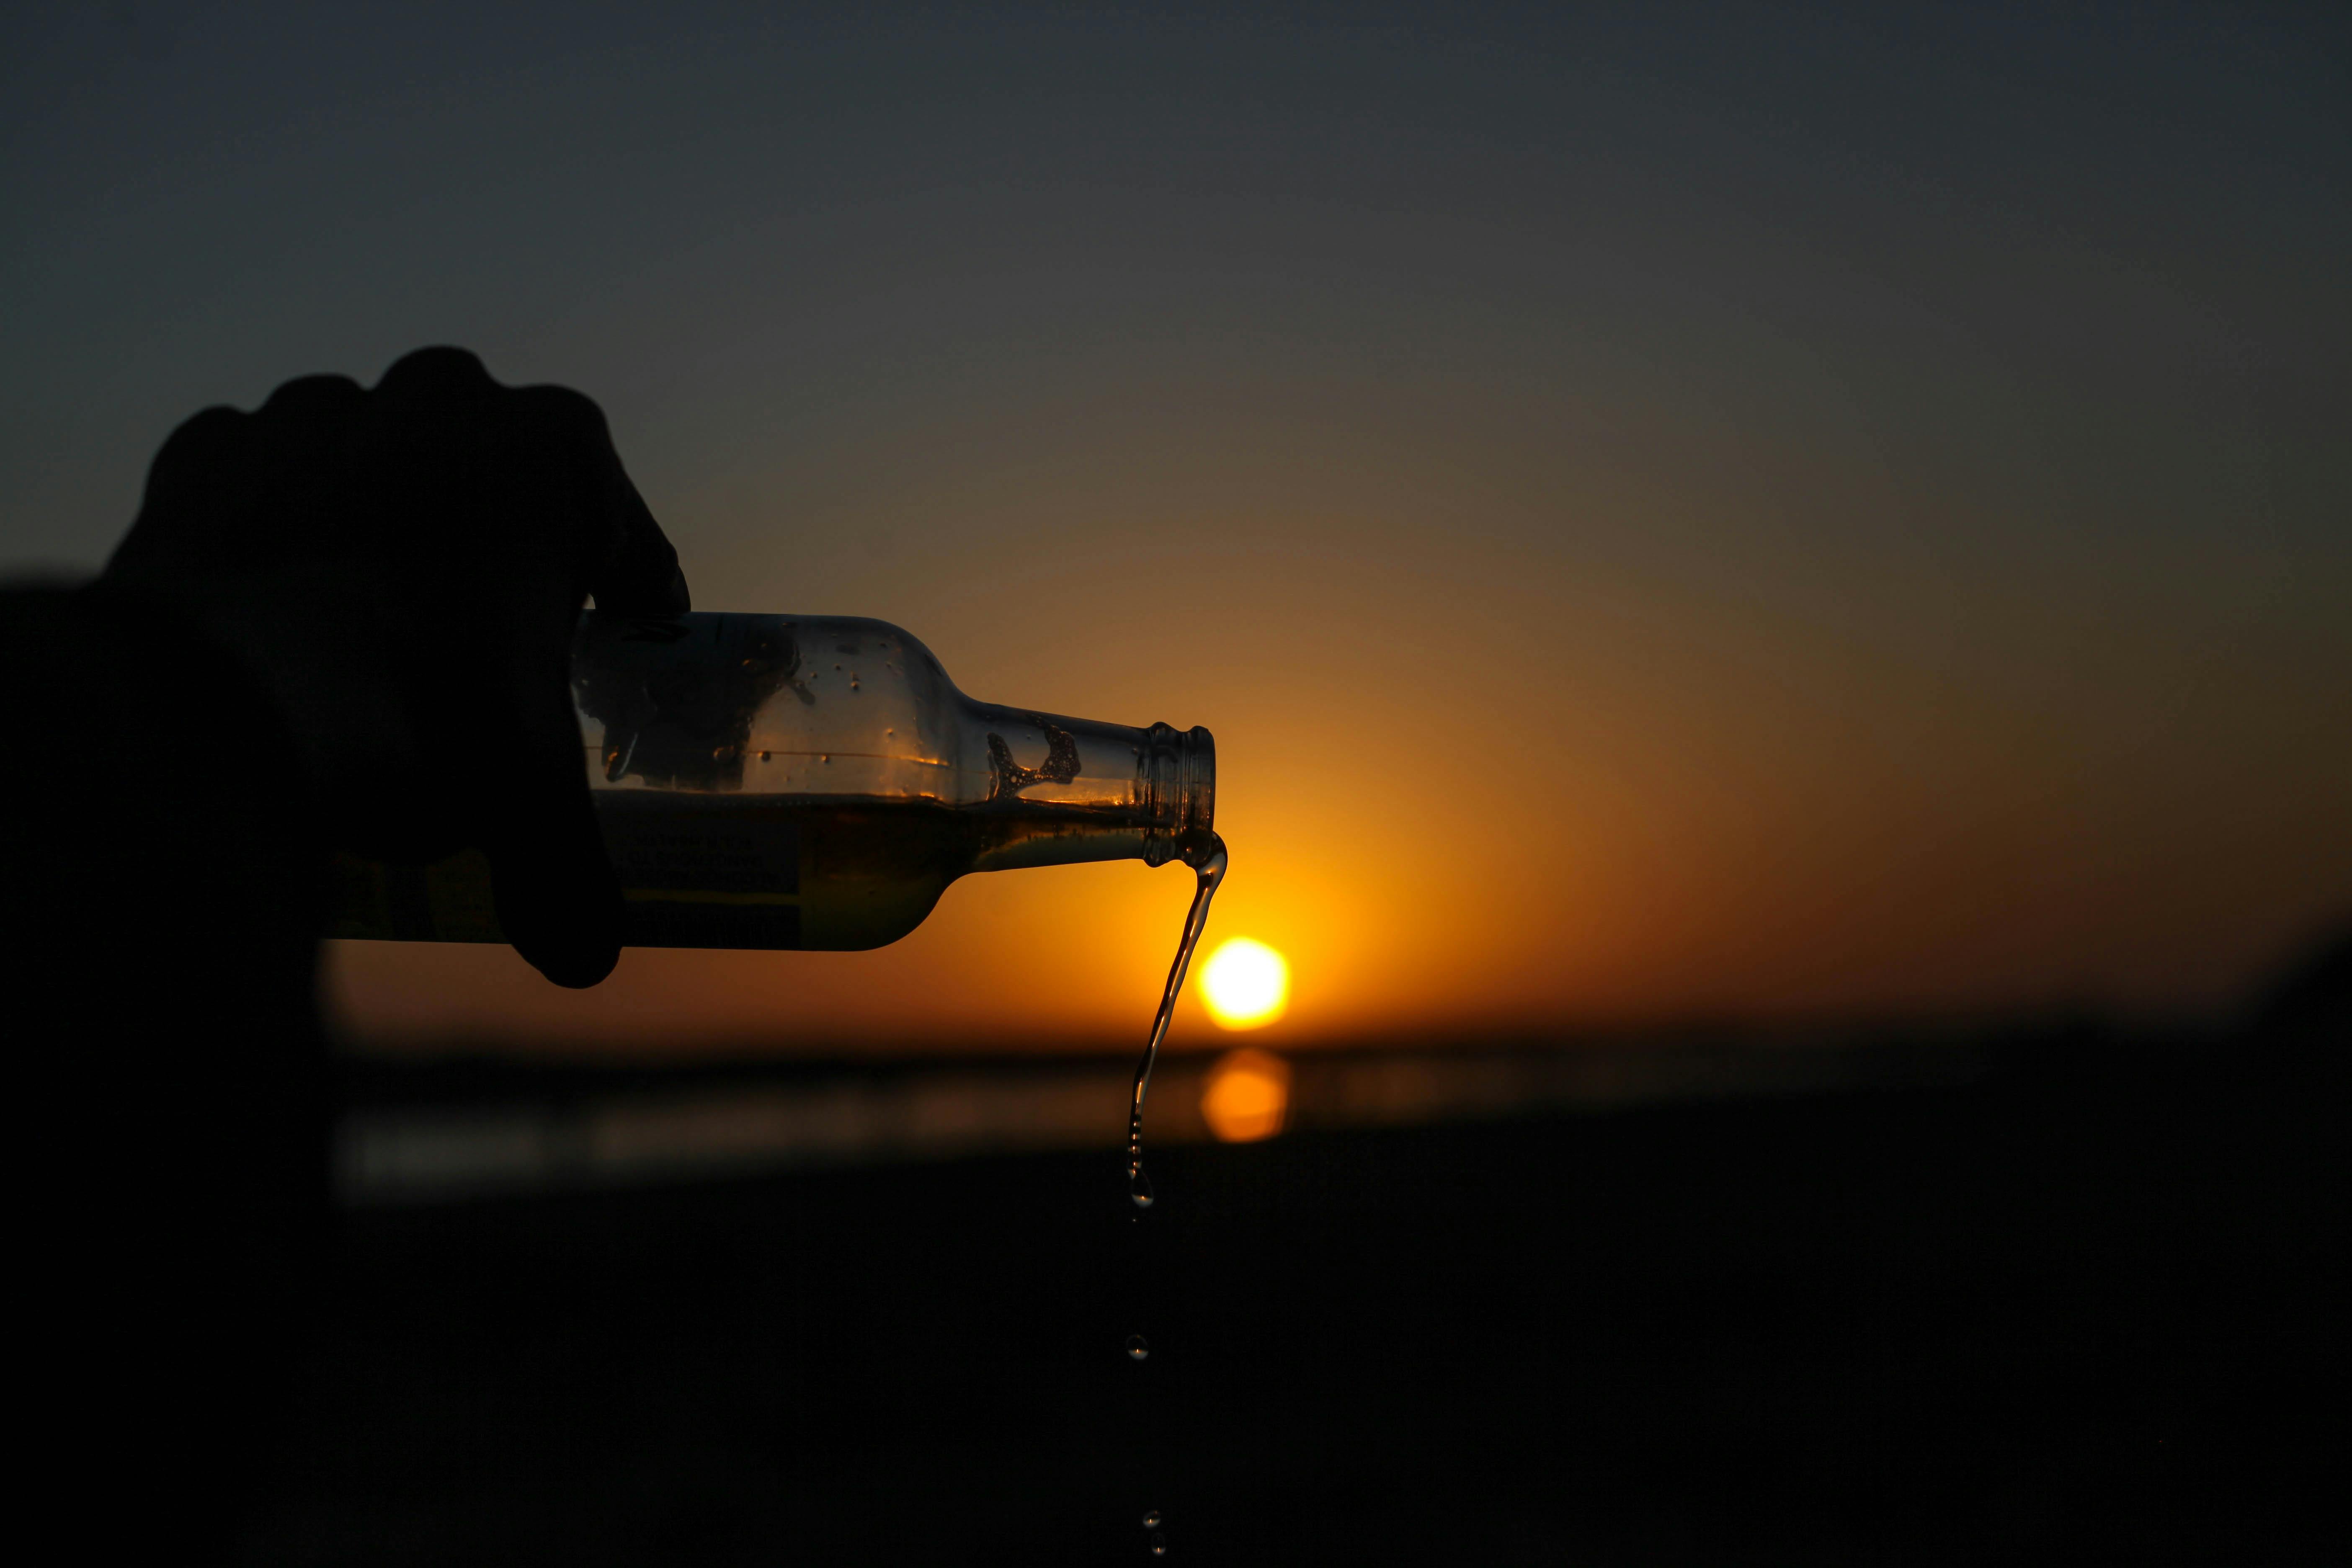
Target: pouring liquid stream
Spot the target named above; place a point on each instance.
(1206, 855)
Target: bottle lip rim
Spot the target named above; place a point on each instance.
(1181, 779)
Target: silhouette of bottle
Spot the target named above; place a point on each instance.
(797, 781)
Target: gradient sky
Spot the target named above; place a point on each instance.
(1699, 511)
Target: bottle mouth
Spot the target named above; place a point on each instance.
(1179, 780)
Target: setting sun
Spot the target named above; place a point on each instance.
(1245, 984)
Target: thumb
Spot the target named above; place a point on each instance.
(558, 898)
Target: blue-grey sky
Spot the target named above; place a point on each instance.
(1805, 508)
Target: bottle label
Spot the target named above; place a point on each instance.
(706, 871)
(696, 871)
(690, 845)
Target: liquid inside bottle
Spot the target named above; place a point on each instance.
(803, 782)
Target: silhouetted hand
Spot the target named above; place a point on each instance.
(405, 565)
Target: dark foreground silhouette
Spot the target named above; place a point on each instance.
(2088, 1305)
(343, 621)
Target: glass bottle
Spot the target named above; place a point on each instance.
(811, 782)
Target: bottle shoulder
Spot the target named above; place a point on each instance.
(815, 705)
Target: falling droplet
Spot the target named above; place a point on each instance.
(1160, 1546)
(763, 756)
(1151, 1518)
(1138, 1188)
(1136, 1348)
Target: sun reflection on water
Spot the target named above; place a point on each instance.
(1246, 1096)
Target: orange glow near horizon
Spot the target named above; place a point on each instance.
(1473, 785)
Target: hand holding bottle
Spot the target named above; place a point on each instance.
(404, 567)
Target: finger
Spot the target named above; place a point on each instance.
(641, 576)
(308, 401)
(626, 560)
(198, 487)
(558, 898)
(436, 377)
(230, 490)
(614, 545)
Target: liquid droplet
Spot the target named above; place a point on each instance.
(1160, 1546)
(1151, 1518)
(1136, 1348)
(1138, 1188)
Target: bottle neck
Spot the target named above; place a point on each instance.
(1093, 792)
(1178, 780)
